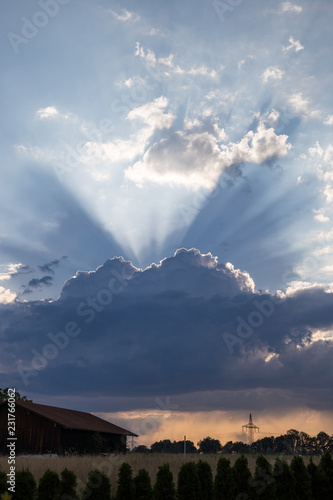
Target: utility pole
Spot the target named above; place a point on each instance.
(184, 446)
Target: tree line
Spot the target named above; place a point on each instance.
(293, 442)
(195, 481)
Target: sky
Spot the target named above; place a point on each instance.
(166, 240)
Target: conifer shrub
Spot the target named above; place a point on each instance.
(98, 486)
(188, 482)
(223, 482)
(242, 477)
(125, 484)
(302, 478)
(164, 488)
(284, 481)
(142, 486)
(68, 485)
(25, 485)
(206, 485)
(49, 486)
(319, 482)
(326, 466)
(263, 481)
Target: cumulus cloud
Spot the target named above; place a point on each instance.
(289, 7)
(99, 155)
(51, 112)
(48, 112)
(272, 73)
(7, 296)
(301, 105)
(294, 45)
(140, 334)
(197, 159)
(125, 16)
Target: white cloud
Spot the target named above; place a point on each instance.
(6, 296)
(301, 105)
(11, 269)
(294, 44)
(273, 117)
(272, 73)
(125, 16)
(48, 112)
(289, 7)
(169, 66)
(153, 116)
(329, 120)
(320, 216)
(197, 160)
(149, 56)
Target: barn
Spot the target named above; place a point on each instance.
(48, 429)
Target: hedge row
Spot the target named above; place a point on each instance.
(195, 482)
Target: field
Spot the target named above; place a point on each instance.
(110, 464)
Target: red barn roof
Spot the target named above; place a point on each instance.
(73, 419)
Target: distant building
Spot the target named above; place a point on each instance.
(48, 429)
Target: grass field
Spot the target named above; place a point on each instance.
(110, 464)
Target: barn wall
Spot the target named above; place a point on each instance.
(36, 435)
(87, 441)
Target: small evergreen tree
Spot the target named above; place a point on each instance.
(302, 478)
(206, 487)
(242, 477)
(319, 482)
(223, 483)
(326, 466)
(49, 486)
(142, 486)
(284, 481)
(26, 486)
(263, 480)
(98, 486)
(125, 485)
(164, 488)
(188, 482)
(68, 485)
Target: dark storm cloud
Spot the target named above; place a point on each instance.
(49, 267)
(188, 326)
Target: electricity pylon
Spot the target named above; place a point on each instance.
(250, 429)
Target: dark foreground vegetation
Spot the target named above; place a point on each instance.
(195, 481)
(293, 442)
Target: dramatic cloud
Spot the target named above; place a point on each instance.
(197, 159)
(187, 325)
